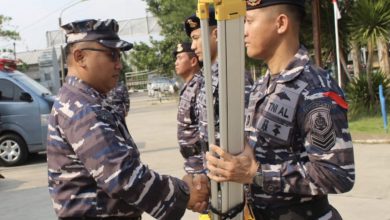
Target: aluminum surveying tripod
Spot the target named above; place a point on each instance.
(231, 62)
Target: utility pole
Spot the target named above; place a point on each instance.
(14, 50)
(315, 6)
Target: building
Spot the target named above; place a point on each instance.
(44, 66)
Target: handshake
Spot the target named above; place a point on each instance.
(223, 167)
(199, 187)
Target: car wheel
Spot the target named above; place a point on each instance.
(13, 150)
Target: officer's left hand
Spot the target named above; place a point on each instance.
(239, 168)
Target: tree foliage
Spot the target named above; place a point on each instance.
(360, 103)
(158, 55)
(370, 21)
(7, 34)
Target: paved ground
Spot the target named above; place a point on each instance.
(24, 194)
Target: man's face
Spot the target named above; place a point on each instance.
(102, 66)
(183, 65)
(260, 33)
(197, 43)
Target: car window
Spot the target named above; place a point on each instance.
(9, 91)
(32, 84)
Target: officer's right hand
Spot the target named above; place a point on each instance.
(225, 167)
(199, 192)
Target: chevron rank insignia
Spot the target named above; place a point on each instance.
(322, 133)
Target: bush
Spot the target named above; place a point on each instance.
(358, 97)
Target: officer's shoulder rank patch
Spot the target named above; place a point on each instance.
(322, 133)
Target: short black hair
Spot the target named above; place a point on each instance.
(68, 49)
(295, 12)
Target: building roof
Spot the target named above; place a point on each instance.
(32, 57)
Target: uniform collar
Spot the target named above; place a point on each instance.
(84, 87)
(295, 67)
(193, 80)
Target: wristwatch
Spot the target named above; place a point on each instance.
(258, 178)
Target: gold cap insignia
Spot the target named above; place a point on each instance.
(179, 48)
(253, 2)
(192, 23)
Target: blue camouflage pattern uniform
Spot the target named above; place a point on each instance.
(188, 125)
(297, 126)
(202, 106)
(94, 166)
(118, 98)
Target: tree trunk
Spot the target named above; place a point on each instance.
(355, 53)
(383, 56)
(344, 65)
(316, 31)
(370, 49)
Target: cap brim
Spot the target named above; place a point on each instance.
(117, 44)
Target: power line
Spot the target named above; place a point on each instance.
(36, 22)
(33, 24)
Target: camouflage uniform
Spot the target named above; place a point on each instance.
(94, 165)
(119, 100)
(297, 126)
(188, 125)
(203, 107)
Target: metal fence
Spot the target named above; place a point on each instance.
(138, 80)
(127, 28)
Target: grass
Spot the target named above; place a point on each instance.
(369, 125)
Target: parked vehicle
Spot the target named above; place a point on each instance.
(161, 85)
(25, 106)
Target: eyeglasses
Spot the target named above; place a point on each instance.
(114, 55)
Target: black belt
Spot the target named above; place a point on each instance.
(101, 218)
(317, 208)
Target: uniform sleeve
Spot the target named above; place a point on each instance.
(194, 164)
(114, 162)
(325, 164)
(126, 98)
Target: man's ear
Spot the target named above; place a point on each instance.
(79, 57)
(194, 62)
(282, 23)
(214, 34)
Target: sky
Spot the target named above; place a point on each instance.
(33, 18)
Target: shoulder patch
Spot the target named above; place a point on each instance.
(322, 133)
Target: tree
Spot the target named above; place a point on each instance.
(143, 57)
(383, 55)
(327, 32)
(7, 34)
(370, 21)
(355, 55)
(158, 56)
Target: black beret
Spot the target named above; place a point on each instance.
(253, 4)
(104, 32)
(193, 22)
(183, 47)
